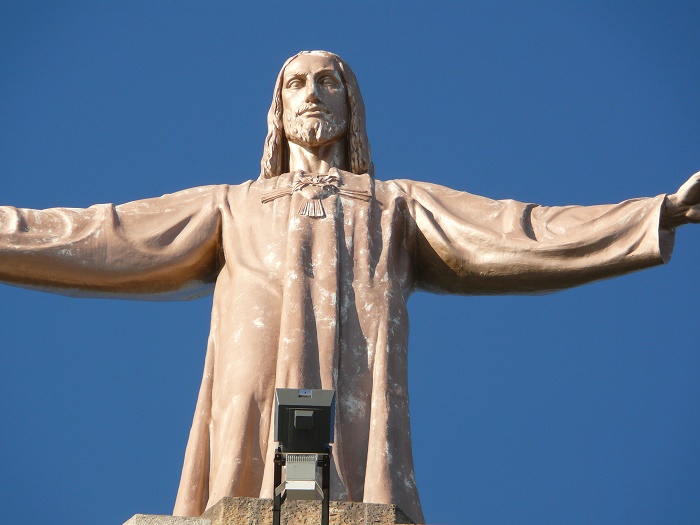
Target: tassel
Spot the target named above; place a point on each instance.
(312, 208)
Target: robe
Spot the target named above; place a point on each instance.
(304, 301)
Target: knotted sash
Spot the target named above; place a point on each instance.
(315, 187)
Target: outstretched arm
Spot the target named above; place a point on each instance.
(684, 205)
(162, 248)
(466, 244)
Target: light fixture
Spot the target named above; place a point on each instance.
(304, 430)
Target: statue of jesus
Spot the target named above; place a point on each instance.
(311, 266)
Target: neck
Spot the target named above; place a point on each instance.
(318, 159)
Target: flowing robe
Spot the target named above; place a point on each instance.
(318, 302)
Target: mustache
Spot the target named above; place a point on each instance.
(312, 107)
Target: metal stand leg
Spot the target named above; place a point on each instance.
(277, 501)
(325, 486)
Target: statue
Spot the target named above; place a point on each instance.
(311, 266)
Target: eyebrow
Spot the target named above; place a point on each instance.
(300, 74)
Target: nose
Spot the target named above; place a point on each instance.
(311, 92)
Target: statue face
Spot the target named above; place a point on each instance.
(315, 101)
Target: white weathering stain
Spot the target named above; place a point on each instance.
(353, 405)
(328, 296)
(408, 481)
(271, 257)
(259, 322)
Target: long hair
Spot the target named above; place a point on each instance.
(275, 159)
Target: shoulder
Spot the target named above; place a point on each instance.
(413, 190)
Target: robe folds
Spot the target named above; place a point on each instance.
(318, 302)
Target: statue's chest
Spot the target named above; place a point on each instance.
(316, 231)
(310, 209)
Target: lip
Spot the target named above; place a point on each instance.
(314, 112)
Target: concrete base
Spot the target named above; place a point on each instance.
(253, 511)
(158, 519)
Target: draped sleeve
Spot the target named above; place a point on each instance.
(163, 248)
(467, 244)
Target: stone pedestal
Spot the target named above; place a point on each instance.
(157, 519)
(253, 511)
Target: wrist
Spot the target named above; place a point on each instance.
(675, 211)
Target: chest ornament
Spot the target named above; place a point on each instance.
(314, 188)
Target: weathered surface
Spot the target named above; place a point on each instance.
(254, 511)
(321, 302)
(156, 519)
(312, 267)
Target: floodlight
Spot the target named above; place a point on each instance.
(304, 419)
(303, 427)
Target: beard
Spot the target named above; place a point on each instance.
(313, 132)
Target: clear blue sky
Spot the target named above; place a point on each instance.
(578, 407)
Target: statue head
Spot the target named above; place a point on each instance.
(348, 119)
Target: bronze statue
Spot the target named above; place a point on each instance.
(311, 266)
